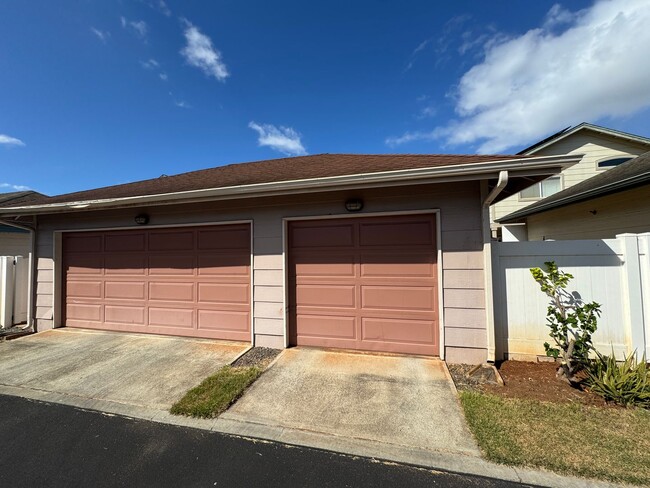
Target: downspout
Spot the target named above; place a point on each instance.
(487, 259)
(32, 268)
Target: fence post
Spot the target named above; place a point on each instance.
(644, 260)
(632, 293)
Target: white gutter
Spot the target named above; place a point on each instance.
(316, 184)
(32, 270)
(501, 184)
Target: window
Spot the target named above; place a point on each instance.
(609, 163)
(542, 189)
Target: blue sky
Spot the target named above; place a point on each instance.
(95, 93)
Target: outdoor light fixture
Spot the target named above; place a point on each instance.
(142, 219)
(354, 205)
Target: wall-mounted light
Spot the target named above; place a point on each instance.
(354, 205)
(142, 219)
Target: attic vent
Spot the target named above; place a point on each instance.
(609, 163)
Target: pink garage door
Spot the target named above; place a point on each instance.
(365, 283)
(186, 281)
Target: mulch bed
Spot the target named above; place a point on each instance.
(527, 380)
(260, 357)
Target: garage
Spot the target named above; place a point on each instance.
(364, 283)
(185, 281)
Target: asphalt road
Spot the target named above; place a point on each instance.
(56, 445)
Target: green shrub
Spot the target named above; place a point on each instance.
(572, 322)
(626, 383)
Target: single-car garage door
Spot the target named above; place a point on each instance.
(186, 281)
(365, 283)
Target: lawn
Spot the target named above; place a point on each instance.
(608, 443)
(216, 393)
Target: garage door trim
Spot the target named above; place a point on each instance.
(438, 250)
(58, 303)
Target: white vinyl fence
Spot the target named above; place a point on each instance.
(612, 272)
(14, 277)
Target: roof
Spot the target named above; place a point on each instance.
(303, 173)
(633, 173)
(20, 197)
(583, 126)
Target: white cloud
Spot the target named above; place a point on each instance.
(14, 187)
(10, 141)
(200, 52)
(163, 76)
(150, 64)
(101, 35)
(182, 104)
(161, 6)
(138, 26)
(282, 139)
(581, 66)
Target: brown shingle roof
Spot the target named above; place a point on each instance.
(273, 171)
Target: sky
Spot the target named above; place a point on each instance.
(97, 93)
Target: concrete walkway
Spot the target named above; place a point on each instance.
(127, 369)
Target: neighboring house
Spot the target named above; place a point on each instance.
(610, 203)
(369, 252)
(15, 241)
(602, 149)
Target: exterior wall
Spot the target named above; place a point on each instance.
(460, 215)
(15, 244)
(594, 147)
(627, 211)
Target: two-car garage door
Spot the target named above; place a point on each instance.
(186, 281)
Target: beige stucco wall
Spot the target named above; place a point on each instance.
(600, 218)
(594, 147)
(461, 241)
(15, 244)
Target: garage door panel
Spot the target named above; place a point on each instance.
(124, 264)
(171, 317)
(224, 320)
(409, 233)
(172, 292)
(152, 281)
(331, 327)
(374, 291)
(182, 240)
(238, 293)
(334, 296)
(125, 242)
(124, 290)
(84, 289)
(398, 297)
(80, 311)
(218, 239)
(87, 243)
(323, 236)
(402, 331)
(124, 314)
(224, 264)
(417, 265)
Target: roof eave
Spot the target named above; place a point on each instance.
(580, 197)
(467, 171)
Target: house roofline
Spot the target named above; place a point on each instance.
(467, 171)
(538, 146)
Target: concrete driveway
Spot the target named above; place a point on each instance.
(396, 400)
(94, 369)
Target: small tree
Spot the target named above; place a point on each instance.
(572, 322)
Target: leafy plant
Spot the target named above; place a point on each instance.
(626, 383)
(572, 322)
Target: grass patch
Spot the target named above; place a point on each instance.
(216, 393)
(607, 443)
